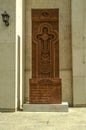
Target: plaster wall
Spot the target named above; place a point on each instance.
(79, 51)
(7, 57)
(65, 44)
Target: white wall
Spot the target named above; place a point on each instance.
(79, 51)
(7, 57)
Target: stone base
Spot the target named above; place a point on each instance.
(46, 107)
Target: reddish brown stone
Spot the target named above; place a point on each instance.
(45, 91)
(45, 85)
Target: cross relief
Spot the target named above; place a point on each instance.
(45, 85)
(45, 38)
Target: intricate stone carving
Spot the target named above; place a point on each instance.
(46, 39)
(45, 85)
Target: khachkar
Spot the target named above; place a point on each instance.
(45, 85)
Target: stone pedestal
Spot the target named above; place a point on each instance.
(63, 107)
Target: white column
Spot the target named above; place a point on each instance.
(20, 45)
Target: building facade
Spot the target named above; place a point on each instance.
(16, 51)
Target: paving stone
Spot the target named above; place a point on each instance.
(75, 119)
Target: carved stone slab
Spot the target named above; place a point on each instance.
(45, 85)
(45, 43)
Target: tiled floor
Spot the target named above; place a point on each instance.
(75, 119)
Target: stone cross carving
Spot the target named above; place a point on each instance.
(45, 84)
(45, 37)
